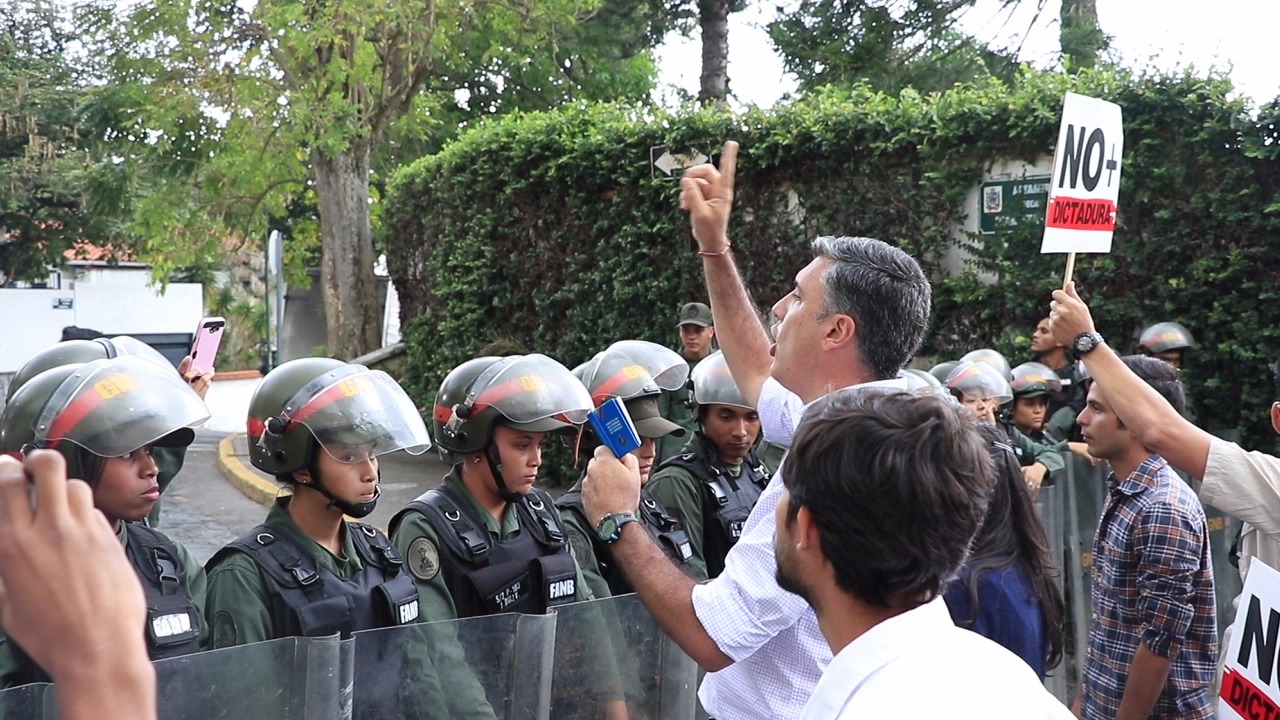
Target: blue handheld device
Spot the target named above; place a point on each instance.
(614, 427)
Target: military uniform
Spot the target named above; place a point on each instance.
(710, 499)
(419, 541)
(174, 585)
(676, 406)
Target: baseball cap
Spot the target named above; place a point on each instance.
(695, 313)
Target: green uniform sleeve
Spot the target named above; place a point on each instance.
(591, 584)
(679, 493)
(197, 586)
(419, 545)
(236, 603)
(771, 455)
(1037, 453)
(1060, 423)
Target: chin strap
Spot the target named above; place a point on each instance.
(495, 467)
(355, 510)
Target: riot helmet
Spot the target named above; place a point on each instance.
(613, 374)
(82, 351)
(979, 380)
(313, 403)
(714, 385)
(668, 369)
(919, 379)
(942, 370)
(992, 358)
(108, 408)
(1032, 379)
(1165, 337)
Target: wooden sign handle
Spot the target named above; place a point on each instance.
(1071, 268)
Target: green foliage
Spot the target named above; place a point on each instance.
(889, 45)
(549, 229)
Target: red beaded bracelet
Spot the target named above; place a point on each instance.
(720, 253)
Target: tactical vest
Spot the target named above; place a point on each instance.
(527, 573)
(726, 501)
(173, 620)
(655, 518)
(310, 600)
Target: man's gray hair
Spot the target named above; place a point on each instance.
(885, 292)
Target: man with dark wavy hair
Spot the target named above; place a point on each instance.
(884, 494)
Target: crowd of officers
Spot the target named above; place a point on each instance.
(487, 540)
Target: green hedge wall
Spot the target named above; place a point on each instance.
(549, 230)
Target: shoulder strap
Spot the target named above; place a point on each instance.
(374, 548)
(278, 557)
(542, 521)
(156, 556)
(464, 536)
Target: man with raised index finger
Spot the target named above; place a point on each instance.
(857, 313)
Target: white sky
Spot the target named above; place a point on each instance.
(1165, 34)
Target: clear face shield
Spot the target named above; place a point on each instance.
(532, 391)
(357, 414)
(714, 385)
(668, 369)
(113, 407)
(979, 384)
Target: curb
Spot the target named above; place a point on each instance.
(249, 483)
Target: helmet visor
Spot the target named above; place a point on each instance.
(527, 389)
(113, 407)
(714, 385)
(125, 345)
(669, 370)
(357, 413)
(980, 380)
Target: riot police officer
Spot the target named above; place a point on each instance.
(319, 426)
(1168, 341)
(1032, 383)
(487, 540)
(168, 460)
(106, 417)
(627, 372)
(980, 387)
(714, 483)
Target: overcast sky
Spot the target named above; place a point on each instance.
(1167, 34)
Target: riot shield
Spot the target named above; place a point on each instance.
(302, 678)
(1049, 508)
(28, 702)
(497, 666)
(1084, 494)
(610, 651)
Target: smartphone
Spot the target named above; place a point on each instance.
(204, 346)
(612, 424)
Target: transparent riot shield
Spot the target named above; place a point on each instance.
(612, 651)
(498, 666)
(28, 702)
(1049, 508)
(1084, 495)
(287, 679)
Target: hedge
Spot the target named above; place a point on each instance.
(551, 231)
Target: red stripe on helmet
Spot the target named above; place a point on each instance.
(67, 420)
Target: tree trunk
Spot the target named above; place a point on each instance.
(1079, 34)
(713, 18)
(352, 305)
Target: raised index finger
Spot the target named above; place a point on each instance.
(729, 163)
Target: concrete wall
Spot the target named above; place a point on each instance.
(228, 402)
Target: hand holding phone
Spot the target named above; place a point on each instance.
(612, 424)
(204, 346)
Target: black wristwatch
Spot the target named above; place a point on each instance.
(1086, 342)
(610, 527)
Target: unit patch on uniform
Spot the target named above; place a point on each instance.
(224, 629)
(423, 559)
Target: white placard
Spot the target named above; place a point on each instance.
(1251, 676)
(1085, 186)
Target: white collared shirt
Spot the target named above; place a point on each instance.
(920, 665)
(772, 635)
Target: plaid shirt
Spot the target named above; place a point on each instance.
(1152, 583)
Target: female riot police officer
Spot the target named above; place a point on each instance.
(319, 426)
(106, 418)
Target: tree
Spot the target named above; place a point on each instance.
(250, 107)
(887, 43)
(55, 191)
(1080, 34)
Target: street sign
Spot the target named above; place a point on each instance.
(1006, 204)
(1085, 186)
(63, 303)
(663, 160)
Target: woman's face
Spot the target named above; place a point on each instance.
(128, 486)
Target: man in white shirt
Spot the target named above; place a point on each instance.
(1243, 484)
(884, 493)
(856, 315)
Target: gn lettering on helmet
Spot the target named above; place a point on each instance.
(532, 383)
(355, 386)
(114, 385)
(633, 371)
(561, 589)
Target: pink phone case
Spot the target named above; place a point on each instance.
(205, 345)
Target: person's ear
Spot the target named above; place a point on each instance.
(841, 331)
(1275, 416)
(808, 538)
(302, 477)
